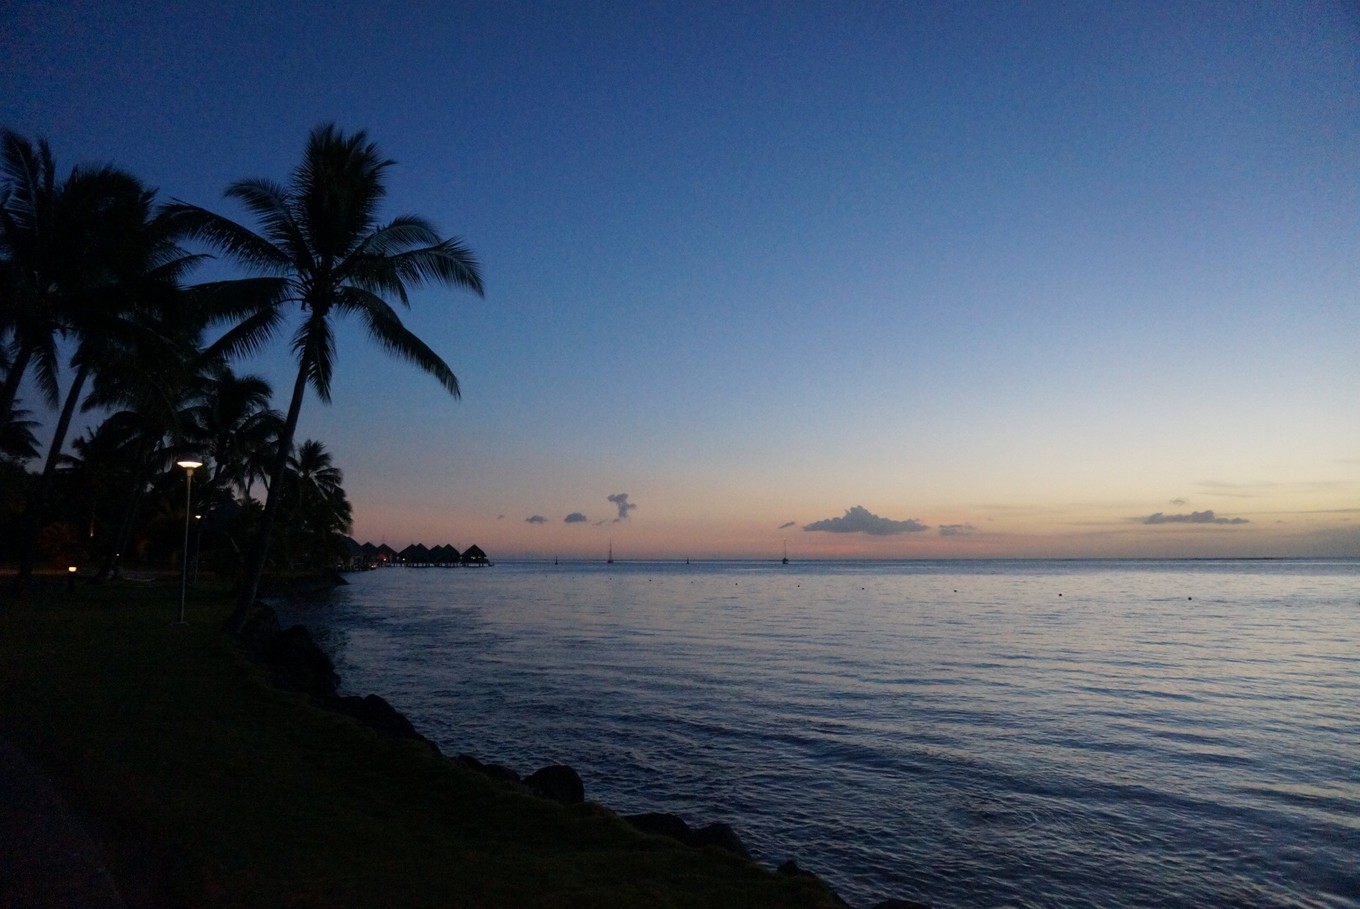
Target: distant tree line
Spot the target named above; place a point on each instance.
(99, 315)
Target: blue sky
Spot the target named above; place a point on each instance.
(1011, 278)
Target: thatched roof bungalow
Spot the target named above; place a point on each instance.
(473, 556)
(415, 554)
(445, 555)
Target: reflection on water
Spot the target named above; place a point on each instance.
(976, 734)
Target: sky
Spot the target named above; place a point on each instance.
(855, 279)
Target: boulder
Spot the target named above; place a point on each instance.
(791, 869)
(658, 824)
(495, 771)
(559, 783)
(669, 825)
(261, 626)
(296, 663)
(380, 716)
(720, 835)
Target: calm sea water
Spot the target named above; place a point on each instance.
(1102, 734)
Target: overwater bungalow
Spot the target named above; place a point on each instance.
(445, 555)
(474, 557)
(415, 556)
(352, 557)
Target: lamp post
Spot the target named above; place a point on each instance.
(188, 466)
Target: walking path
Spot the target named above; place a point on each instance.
(47, 859)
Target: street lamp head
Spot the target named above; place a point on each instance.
(189, 464)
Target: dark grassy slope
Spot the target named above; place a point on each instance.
(211, 788)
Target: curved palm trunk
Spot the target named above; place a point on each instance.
(259, 552)
(38, 506)
(113, 557)
(136, 495)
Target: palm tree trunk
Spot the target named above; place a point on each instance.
(39, 504)
(136, 494)
(259, 552)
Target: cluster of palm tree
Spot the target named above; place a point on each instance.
(95, 297)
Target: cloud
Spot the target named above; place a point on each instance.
(620, 500)
(536, 519)
(1181, 502)
(787, 524)
(860, 520)
(956, 530)
(575, 518)
(1194, 517)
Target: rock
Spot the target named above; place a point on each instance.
(380, 716)
(791, 869)
(298, 664)
(720, 835)
(901, 904)
(559, 783)
(495, 771)
(261, 626)
(657, 824)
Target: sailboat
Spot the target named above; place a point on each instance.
(610, 560)
(786, 552)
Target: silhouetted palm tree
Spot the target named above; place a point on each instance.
(230, 424)
(111, 286)
(32, 231)
(17, 441)
(317, 509)
(322, 249)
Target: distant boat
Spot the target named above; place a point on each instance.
(610, 560)
(786, 552)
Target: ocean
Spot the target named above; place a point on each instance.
(966, 733)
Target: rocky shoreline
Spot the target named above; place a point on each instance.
(296, 663)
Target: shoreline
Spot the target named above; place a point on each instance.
(302, 666)
(203, 785)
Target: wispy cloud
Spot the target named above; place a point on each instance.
(787, 524)
(1194, 517)
(620, 500)
(1180, 502)
(860, 520)
(575, 518)
(957, 530)
(536, 519)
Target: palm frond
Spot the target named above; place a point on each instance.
(338, 188)
(450, 263)
(401, 233)
(385, 327)
(240, 243)
(249, 335)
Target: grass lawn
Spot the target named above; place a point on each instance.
(211, 788)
